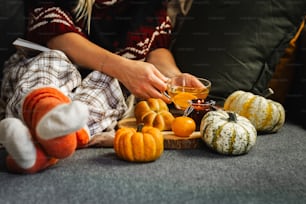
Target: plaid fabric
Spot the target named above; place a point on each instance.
(101, 93)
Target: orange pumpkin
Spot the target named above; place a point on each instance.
(142, 145)
(153, 112)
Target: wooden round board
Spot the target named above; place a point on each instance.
(171, 141)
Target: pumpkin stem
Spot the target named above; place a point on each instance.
(232, 117)
(139, 127)
(268, 92)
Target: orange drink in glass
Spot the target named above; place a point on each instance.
(184, 88)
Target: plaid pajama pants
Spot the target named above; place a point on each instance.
(101, 93)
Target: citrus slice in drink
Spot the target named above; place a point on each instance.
(181, 100)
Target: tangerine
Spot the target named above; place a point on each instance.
(183, 126)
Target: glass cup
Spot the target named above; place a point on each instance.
(197, 109)
(185, 87)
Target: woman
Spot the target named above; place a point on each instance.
(73, 91)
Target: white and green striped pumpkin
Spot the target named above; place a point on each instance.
(227, 132)
(266, 115)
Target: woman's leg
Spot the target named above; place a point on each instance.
(36, 91)
(104, 98)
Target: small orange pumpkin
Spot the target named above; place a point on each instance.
(153, 112)
(142, 145)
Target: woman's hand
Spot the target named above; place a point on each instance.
(143, 80)
(187, 79)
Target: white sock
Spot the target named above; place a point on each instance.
(62, 120)
(17, 141)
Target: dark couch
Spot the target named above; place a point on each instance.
(246, 45)
(272, 172)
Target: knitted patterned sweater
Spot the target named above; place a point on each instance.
(129, 28)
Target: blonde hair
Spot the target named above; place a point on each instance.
(83, 11)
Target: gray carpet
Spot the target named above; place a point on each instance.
(274, 171)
